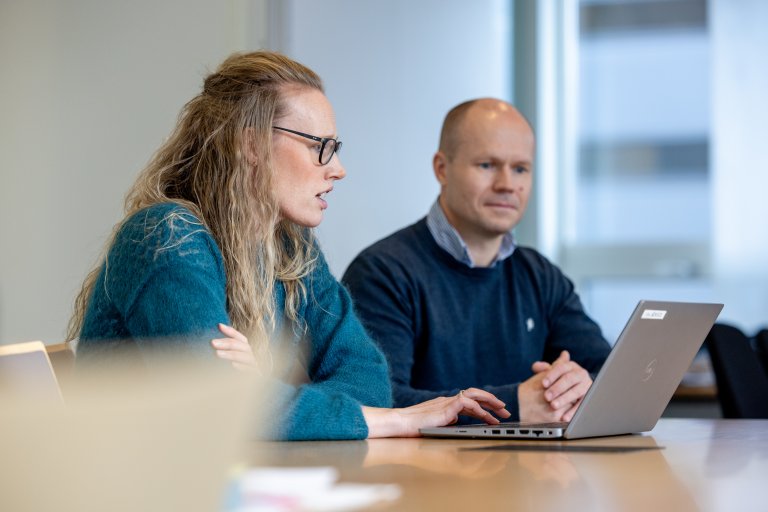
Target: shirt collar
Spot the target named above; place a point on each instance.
(450, 241)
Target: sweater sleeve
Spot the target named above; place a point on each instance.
(165, 276)
(346, 369)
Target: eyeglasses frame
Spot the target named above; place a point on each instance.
(322, 140)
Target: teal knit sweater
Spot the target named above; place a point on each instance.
(164, 285)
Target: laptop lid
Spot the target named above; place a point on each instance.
(634, 386)
(646, 365)
(26, 374)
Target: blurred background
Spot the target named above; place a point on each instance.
(652, 155)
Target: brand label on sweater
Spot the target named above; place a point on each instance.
(654, 314)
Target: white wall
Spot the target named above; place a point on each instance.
(89, 90)
(392, 70)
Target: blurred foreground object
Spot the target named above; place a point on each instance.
(278, 489)
(129, 439)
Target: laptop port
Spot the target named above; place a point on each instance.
(524, 431)
(495, 431)
(511, 431)
(538, 432)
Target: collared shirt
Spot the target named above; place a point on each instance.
(450, 240)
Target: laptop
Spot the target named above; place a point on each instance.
(635, 384)
(26, 374)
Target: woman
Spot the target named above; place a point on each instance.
(218, 232)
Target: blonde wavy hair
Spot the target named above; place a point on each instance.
(204, 167)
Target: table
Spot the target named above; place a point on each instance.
(683, 464)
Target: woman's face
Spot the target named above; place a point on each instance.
(301, 182)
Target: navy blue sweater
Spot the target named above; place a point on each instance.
(445, 326)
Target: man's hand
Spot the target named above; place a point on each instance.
(555, 390)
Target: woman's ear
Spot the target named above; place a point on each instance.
(250, 146)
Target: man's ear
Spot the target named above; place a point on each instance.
(439, 163)
(250, 146)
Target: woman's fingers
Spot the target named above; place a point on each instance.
(437, 412)
(234, 348)
(471, 407)
(231, 332)
(484, 396)
(231, 344)
(487, 400)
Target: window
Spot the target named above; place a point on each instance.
(629, 205)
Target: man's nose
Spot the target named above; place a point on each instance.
(506, 179)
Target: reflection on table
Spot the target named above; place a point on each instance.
(681, 465)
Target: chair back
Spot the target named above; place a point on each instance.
(761, 347)
(742, 382)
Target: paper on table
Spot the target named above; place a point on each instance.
(305, 489)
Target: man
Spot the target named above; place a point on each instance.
(454, 303)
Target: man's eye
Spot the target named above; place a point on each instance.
(521, 169)
(317, 148)
(485, 165)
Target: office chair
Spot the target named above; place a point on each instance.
(742, 382)
(761, 347)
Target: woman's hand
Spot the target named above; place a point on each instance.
(437, 412)
(234, 348)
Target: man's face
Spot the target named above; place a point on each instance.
(486, 182)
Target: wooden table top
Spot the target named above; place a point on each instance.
(681, 465)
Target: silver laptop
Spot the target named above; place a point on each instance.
(634, 385)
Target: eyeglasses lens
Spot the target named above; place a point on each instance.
(331, 146)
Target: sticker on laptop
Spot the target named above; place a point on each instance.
(654, 314)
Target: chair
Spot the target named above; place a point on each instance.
(761, 346)
(742, 382)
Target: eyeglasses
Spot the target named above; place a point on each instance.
(328, 146)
